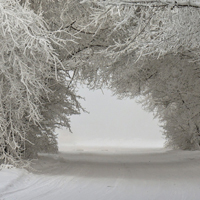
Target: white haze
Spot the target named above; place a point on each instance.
(111, 122)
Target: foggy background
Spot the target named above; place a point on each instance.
(112, 123)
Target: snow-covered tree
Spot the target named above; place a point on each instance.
(135, 48)
(152, 51)
(147, 49)
(36, 91)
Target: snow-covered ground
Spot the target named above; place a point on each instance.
(106, 174)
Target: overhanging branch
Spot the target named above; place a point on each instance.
(192, 3)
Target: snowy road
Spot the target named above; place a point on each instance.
(107, 175)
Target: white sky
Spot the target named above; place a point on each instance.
(111, 122)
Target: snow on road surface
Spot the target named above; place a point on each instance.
(109, 174)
